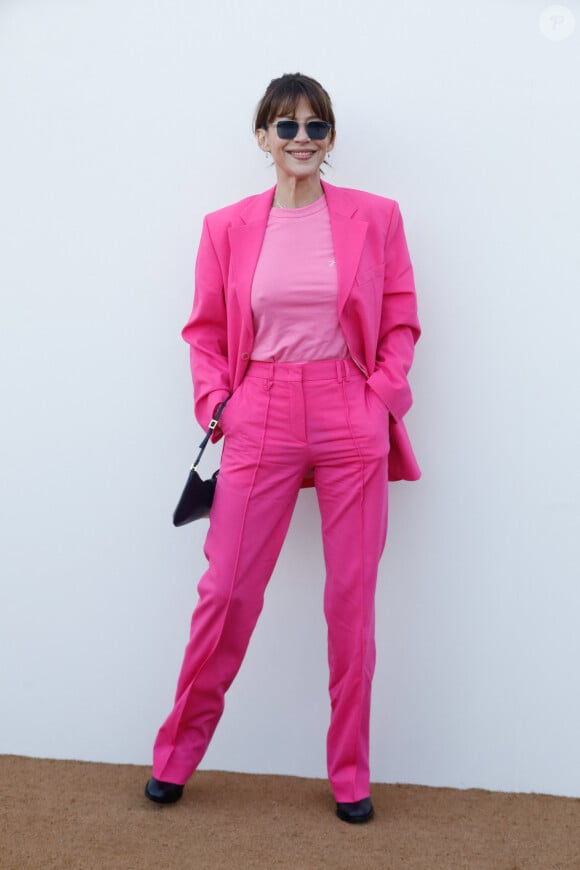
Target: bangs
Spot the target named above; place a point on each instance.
(283, 95)
(284, 104)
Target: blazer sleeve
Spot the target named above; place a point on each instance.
(399, 327)
(206, 332)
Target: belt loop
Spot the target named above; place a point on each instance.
(343, 372)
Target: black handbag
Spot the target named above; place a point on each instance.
(197, 496)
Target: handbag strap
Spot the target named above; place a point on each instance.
(212, 425)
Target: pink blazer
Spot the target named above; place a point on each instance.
(376, 303)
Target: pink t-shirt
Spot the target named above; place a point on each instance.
(295, 288)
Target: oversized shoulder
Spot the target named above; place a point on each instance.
(366, 203)
(245, 210)
(346, 200)
(235, 208)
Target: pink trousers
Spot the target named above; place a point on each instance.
(282, 421)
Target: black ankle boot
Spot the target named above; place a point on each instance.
(356, 812)
(163, 792)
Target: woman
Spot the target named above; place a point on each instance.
(305, 314)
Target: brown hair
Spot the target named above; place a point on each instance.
(282, 96)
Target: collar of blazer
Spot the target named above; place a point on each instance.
(247, 233)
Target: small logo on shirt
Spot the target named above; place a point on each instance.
(332, 262)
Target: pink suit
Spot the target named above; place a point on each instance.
(341, 420)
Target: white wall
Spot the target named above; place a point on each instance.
(122, 124)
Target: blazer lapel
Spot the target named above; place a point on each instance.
(348, 235)
(245, 243)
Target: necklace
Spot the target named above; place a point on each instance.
(277, 204)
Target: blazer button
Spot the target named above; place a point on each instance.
(245, 355)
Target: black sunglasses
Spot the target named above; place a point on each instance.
(314, 129)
